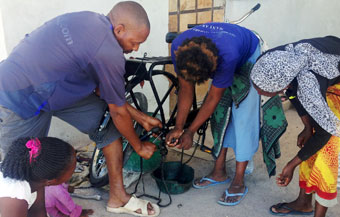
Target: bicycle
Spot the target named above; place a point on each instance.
(137, 72)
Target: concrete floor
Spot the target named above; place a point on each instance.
(263, 191)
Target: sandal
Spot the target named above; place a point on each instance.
(133, 205)
(291, 210)
(227, 194)
(212, 182)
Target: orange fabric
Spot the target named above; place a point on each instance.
(319, 173)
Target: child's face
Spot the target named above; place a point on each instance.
(66, 175)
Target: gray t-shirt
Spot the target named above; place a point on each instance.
(62, 62)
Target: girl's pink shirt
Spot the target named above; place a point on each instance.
(58, 201)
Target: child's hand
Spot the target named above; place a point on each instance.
(86, 212)
(70, 189)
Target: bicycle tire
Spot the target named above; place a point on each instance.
(98, 171)
(101, 178)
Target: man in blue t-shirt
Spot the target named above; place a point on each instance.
(218, 51)
(73, 67)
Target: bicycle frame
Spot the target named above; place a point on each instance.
(137, 72)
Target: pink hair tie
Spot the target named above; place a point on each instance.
(35, 146)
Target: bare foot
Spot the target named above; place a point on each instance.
(151, 211)
(120, 201)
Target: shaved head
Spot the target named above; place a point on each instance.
(130, 14)
(131, 25)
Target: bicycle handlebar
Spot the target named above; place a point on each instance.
(256, 7)
(170, 36)
(246, 15)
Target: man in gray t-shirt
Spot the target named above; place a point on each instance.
(73, 67)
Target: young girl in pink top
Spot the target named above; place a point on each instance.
(29, 166)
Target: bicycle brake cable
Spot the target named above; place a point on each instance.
(159, 199)
(163, 152)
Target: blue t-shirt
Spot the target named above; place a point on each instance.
(235, 45)
(62, 62)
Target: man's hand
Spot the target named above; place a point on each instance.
(146, 121)
(147, 149)
(150, 123)
(172, 137)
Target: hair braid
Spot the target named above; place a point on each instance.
(17, 165)
(54, 157)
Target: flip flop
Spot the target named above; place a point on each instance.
(227, 194)
(291, 210)
(212, 182)
(134, 204)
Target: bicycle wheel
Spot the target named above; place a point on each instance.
(98, 169)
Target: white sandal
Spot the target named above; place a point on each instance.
(133, 205)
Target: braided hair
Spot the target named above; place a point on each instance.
(53, 159)
(196, 59)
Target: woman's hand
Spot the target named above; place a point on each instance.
(285, 177)
(287, 173)
(186, 140)
(304, 136)
(306, 133)
(172, 138)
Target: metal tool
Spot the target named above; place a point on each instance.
(88, 197)
(129, 149)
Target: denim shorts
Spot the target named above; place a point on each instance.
(85, 115)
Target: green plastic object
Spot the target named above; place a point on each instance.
(177, 177)
(133, 164)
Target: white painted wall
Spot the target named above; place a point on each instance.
(3, 51)
(284, 21)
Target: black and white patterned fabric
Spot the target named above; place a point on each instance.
(275, 70)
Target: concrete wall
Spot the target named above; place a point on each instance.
(284, 21)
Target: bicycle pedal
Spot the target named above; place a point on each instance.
(205, 149)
